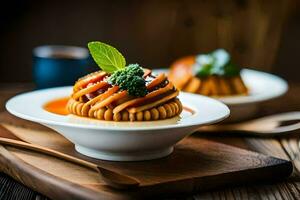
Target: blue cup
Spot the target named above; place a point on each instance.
(55, 65)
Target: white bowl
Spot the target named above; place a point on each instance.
(262, 87)
(119, 141)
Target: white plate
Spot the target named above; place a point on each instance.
(262, 86)
(119, 141)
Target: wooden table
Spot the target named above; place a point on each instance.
(283, 147)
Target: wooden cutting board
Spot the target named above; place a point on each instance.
(196, 164)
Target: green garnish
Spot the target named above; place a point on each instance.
(216, 63)
(108, 58)
(130, 79)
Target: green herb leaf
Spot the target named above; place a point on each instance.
(108, 58)
(204, 64)
(221, 58)
(216, 63)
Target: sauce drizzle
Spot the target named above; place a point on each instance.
(57, 106)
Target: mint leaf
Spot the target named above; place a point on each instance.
(108, 58)
(217, 62)
(221, 57)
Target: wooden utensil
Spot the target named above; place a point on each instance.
(273, 125)
(113, 179)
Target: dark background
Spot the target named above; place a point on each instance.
(260, 34)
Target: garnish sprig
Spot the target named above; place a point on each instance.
(217, 63)
(110, 60)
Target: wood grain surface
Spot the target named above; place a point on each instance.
(196, 164)
(154, 33)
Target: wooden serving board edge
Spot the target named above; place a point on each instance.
(57, 187)
(192, 185)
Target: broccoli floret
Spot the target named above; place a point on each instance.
(135, 86)
(131, 79)
(134, 70)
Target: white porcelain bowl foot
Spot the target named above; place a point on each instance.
(124, 156)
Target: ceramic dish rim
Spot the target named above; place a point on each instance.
(58, 122)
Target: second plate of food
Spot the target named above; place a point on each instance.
(262, 86)
(214, 74)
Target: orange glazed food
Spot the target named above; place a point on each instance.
(208, 74)
(94, 97)
(122, 93)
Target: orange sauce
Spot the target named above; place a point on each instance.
(188, 109)
(57, 106)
